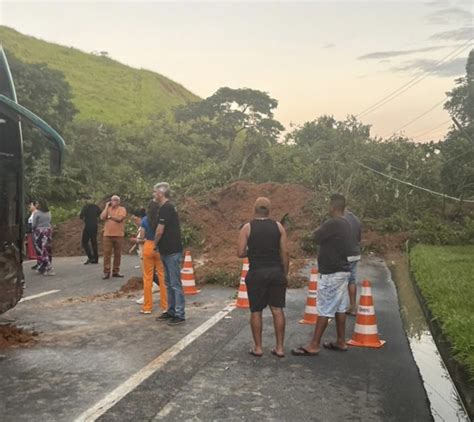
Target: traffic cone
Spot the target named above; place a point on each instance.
(365, 330)
(242, 297)
(310, 315)
(187, 276)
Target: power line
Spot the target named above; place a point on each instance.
(420, 116)
(418, 78)
(426, 132)
(432, 192)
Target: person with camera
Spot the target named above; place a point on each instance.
(113, 216)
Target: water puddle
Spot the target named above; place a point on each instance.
(444, 399)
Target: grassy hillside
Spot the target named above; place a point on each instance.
(103, 89)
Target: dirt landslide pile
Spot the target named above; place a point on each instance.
(67, 238)
(133, 285)
(219, 215)
(12, 336)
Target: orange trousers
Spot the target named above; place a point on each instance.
(152, 260)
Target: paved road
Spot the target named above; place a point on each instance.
(88, 349)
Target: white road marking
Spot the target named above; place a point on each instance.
(135, 380)
(49, 292)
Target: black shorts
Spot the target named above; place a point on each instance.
(266, 286)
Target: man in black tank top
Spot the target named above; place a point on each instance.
(263, 240)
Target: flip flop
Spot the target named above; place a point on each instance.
(278, 355)
(332, 346)
(257, 355)
(301, 351)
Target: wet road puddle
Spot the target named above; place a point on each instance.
(445, 402)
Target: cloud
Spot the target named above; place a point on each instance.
(455, 67)
(450, 15)
(460, 34)
(329, 45)
(396, 53)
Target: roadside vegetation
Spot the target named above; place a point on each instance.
(200, 144)
(444, 275)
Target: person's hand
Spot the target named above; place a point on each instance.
(133, 239)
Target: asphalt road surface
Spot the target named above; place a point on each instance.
(101, 359)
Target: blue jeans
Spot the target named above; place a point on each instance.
(172, 264)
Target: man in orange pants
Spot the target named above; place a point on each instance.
(151, 261)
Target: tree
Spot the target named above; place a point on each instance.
(457, 172)
(461, 98)
(230, 117)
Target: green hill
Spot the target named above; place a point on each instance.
(103, 89)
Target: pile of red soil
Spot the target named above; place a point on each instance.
(219, 215)
(133, 284)
(384, 243)
(12, 336)
(67, 238)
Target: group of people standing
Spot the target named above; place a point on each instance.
(263, 241)
(159, 243)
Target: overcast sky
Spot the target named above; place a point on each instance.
(314, 57)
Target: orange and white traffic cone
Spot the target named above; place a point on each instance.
(310, 315)
(242, 297)
(187, 276)
(365, 330)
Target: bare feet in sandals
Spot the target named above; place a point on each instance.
(278, 354)
(304, 351)
(334, 346)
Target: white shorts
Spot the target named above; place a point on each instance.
(332, 294)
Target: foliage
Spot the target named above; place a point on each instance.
(228, 136)
(104, 90)
(61, 214)
(223, 278)
(444, 275)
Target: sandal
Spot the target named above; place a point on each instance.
(278, 355)
(257, 355)
(301, 351)
(333, 346)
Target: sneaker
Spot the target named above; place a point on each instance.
(140, 301)
(165, 316)
(106, 276)
(87, 262)
(35, 267)
(118, 275)
(176, 321)
(155, 288)
(145, 312)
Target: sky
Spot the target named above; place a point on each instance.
(314, 57)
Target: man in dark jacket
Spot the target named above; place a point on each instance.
(90, 215)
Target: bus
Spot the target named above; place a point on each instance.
(12, 202)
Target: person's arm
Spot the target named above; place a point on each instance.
(243, 240)
(82, 214)
(120, 217)
(285, 256)
(34, 221)
(159, 234)
(322, 232)
(105, 212)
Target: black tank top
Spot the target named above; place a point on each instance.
(264, 244)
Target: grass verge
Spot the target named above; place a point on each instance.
(445, 275)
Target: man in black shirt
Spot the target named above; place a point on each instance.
(168, 243)
(90, 215)
(333, 238)
(263, 240)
